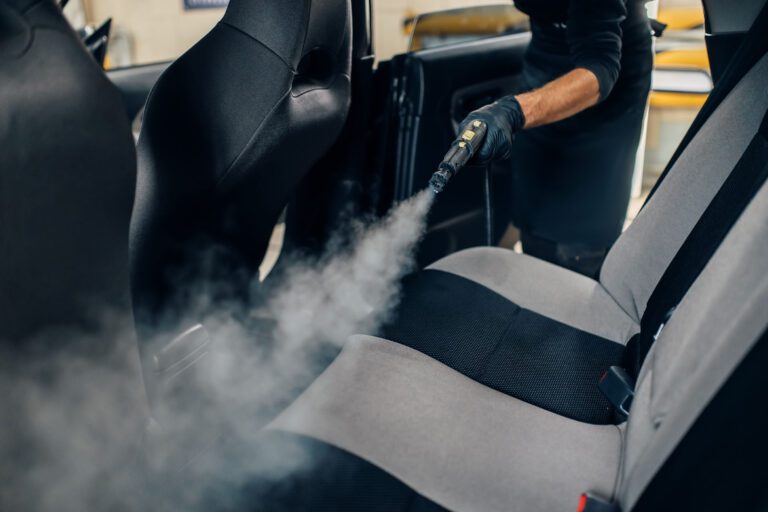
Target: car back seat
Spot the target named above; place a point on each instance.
(468, 447)
(544, 334)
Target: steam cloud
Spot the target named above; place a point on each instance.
(68, 437)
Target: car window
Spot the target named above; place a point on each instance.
(393, 20)
(455, 26)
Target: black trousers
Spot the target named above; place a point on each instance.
(571, 181)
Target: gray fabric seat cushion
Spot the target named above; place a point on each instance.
(544, 288)
(453, 440)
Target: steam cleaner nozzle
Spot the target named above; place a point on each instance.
(461, 152)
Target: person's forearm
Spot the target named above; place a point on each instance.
(561, 98)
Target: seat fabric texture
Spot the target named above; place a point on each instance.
(504, 346)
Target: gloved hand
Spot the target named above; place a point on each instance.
(504, 119)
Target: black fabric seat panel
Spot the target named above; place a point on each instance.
(325, 479)
(501, 345)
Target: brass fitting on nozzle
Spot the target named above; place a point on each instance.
(461, 152)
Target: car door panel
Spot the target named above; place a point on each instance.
(434, 90)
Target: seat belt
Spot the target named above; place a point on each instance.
(617, 383)
(722, 213)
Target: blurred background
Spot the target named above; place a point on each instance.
(151, 31)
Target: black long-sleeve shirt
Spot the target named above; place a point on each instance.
(599, 35)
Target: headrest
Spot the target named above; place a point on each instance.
(292, 28)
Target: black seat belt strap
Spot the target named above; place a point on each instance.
(706, 236)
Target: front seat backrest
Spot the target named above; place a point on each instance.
(73, 400)
(67, 177)
(229, 131)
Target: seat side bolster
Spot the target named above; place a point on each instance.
(718, 322)
(641, 255)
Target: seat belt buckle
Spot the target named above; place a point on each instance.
(591, 503)
(619, 388)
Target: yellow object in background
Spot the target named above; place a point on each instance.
(682, 18)
(684, 26)
(686, 58)
(459, 25)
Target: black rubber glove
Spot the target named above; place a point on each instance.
(504, 119)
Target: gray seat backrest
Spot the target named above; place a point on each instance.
(640, 256)
(725, 311)
(720, 319)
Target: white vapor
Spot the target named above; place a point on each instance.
(67, 439)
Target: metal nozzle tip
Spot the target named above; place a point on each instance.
(438, 181)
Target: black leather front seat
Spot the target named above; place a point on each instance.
(230, 130)
(67, 178)
(73, 402)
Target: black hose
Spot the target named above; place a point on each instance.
(488, 189)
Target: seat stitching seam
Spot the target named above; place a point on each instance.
(620, 306)
(225, 175)
(484, 363)
(261, 43)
